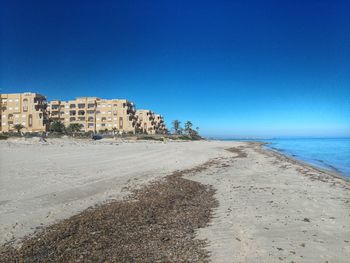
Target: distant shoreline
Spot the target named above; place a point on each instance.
(327, 167)
(333, 173)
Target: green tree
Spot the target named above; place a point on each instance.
(18, 127)
(188, 128)
(74, 127)
(177, 127)
(57, 126)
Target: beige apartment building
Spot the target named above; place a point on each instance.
(150, 122)
(160, 126)
(146, 122)
(115, 114)
(95, 114)
(27, 109)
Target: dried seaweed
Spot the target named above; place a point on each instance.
(156, 224)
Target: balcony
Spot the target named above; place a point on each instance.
(81, 106)
(81, 112)
(91, 105)
(72, 106)
(40, 107)
(55, 107)
(130, 111)
(72, 113)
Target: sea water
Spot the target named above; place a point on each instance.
(329, 153)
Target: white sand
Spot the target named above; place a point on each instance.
(43, 182)
(263, 199)
(266, 201)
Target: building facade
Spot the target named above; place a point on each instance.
(27, 109)
(95, 114)
(115, 115)
(145, 121)
(160, 126)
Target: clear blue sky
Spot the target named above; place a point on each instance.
(234, 68)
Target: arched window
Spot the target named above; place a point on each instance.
(25, 105)
(120, 122)
(30, 120)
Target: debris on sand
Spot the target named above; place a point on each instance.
(156, 224)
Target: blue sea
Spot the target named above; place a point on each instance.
(329, 153)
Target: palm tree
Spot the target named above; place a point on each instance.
(188, 127)
(176, 127)
(18, 127)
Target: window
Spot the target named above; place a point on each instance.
(120, 122)
(30, 120)
(25, 105)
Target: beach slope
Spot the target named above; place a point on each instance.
(269, 207)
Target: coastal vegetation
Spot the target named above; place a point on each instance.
(187, 133)
(18, 127)
(58, 129)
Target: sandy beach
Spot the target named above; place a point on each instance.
(270, 208)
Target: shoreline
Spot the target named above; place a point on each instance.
(322, 164)
(334, 173)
